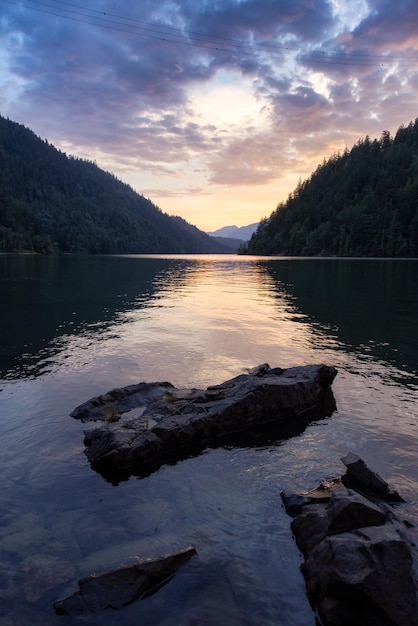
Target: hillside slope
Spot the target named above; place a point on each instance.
(363, 202)
(50, 202)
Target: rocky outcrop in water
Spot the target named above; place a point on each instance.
(118, 588)
(360, 563)
(138, 428)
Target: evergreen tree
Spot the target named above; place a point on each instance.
(363, 202)
(51, 202)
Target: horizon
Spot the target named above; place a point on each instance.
(214, 113)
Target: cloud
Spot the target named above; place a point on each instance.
(175, 193)
(392, 25)
(180, 98)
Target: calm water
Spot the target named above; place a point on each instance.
(75, 327)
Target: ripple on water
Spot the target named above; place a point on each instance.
(194, 322)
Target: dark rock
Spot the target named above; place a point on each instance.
(364, 480)
(118, 588)
(348, 510)
(120, 400)
(294, 502)
(360, 564)
(126, 442)
(310, 527)
(367, 574)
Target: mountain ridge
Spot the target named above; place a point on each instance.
(51, 202)
(361, 203)
(235, 232)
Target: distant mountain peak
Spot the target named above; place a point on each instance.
(235, 232)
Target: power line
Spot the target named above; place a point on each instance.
(214, 43)
(271, 47)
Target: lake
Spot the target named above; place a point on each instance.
(73, 327)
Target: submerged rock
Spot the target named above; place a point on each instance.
(42, 573)
(118, 588)
(360, 564)
(139, 427)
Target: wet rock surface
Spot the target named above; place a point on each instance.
(140, 427)
(360, 563)
(117, 588)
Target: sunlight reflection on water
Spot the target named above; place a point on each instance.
(193, 321)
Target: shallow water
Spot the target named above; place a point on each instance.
(75, 327)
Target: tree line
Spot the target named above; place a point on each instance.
(363, 202)
(51, 202)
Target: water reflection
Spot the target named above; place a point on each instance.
(369, 307)
(60, 309)
(49, 299)
(262, 437)
(85, 325)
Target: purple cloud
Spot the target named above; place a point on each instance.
(140, 88)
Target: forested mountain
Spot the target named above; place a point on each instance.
(50, 202)
(230, 242)
(363, 202)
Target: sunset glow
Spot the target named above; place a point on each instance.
(213, 111)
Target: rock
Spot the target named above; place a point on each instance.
(42, 573)
(348, 510)
(120, 400)
(294, 502)
(360, 564)
(364, 480)
(179, 419)
(357, 477)
(120, 587)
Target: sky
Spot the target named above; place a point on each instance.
(213, 109)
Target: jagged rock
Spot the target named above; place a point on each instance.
(360, 564)
(111, 404)
(124, 444)
(120, 587)
(293, 502)
(359, 477)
